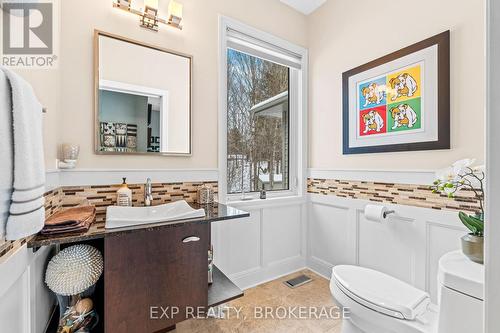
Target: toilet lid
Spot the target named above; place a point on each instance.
(381, 292)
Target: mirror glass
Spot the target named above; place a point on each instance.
(143, 98)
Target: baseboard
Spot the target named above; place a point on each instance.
(255, 277)
(320, 267)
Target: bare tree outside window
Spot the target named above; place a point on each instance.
(257, 124)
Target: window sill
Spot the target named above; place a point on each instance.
(270, 202)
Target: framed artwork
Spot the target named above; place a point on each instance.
(400, 102)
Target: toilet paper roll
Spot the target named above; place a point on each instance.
(375, 213)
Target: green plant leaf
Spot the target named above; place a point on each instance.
(470, 227)
(472, 223)
(478, 223)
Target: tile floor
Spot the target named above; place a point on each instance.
(278, 301)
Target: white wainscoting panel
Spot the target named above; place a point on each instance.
(268, 244)
(407, 245)
(25, 301)
(281, 234)
(389, 246)
(238, 247)
(332, 235)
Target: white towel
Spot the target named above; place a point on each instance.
(27, 211)
(6, 152)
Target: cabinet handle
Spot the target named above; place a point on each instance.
(191, 239)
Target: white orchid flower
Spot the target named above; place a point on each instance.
(459, 167)
(446, 174)
(479, 168)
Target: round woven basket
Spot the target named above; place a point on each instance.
(74, 270)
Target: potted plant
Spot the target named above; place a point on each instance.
(462, 175)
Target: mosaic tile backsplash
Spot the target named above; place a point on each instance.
(102, 196)
(401, 194)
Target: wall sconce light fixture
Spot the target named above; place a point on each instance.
(149, 17)
(174, 13)
(124, 4)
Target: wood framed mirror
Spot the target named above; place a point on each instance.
(142, 98)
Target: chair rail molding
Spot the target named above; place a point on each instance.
(82, 177)
(382, 176)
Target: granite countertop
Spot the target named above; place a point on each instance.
(213, 213)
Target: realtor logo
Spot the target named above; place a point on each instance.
(28, 33)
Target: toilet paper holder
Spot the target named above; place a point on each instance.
(377, 213)
(389, 212)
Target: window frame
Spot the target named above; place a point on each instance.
(297, 110)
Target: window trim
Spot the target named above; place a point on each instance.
(298, 113)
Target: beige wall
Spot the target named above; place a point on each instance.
(344, 34)
(199, 38)
(341, 35)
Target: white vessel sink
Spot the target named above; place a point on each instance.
(119, 217)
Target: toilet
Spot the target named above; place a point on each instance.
(380, 303)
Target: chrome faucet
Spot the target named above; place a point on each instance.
(148, 193)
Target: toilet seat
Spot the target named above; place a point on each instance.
(380, 292)
(378, 303)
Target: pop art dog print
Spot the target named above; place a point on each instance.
(399, 102)
(391, 103)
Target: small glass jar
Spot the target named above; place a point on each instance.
(70, 152)
(205, 194)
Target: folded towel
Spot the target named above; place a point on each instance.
(6, 152)
(70, 220)
(27, 211)
(70, 216)
(83, 226)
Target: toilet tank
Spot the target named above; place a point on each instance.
(461, 294)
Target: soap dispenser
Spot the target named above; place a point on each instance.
(124, 194)
(263, 193)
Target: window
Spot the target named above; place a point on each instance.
(257, 124)
(261, 144)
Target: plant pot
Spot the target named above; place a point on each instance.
(473, 247)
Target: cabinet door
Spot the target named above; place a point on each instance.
(152, 277)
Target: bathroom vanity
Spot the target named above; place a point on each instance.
(155, 275)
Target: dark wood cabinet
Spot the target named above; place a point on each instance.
(150, 274)
(149, 269)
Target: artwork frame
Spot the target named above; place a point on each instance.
(404, 95)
